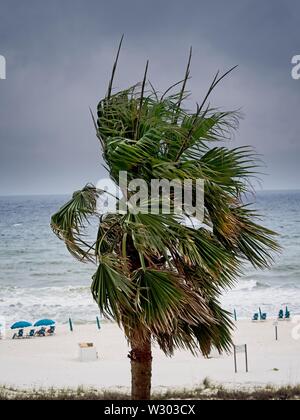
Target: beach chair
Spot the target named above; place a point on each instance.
(263, 315)
(281, 314)
(51, 330)
(287, 314)
(19, 334)
(31, 334)
(255, 317)
(41, 332)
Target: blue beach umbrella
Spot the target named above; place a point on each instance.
(44, 323)
(21, 324)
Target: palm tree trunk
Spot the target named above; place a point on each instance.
(141, 370)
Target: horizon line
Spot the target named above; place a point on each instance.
(70, 193)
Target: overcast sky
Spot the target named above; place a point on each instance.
(59, 56)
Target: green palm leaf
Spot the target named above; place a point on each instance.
(112, 291)
(69, 222)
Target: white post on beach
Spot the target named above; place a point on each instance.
(240, 349)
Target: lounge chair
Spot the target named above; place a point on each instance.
(263, 315)
(19, 334)
(281, 314)
(255, 317)
(51, 330)
(31, 334)
(41, 332)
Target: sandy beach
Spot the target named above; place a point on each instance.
(53, 361)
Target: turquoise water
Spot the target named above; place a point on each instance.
(39, 278)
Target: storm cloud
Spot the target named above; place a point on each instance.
(59, 56)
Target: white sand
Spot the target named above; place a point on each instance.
(53, 361)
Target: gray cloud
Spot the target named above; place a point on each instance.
(59, 57)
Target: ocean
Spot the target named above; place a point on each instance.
(40, 279)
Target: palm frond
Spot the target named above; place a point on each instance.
(69, 222)
(112, 291)
(114, 69)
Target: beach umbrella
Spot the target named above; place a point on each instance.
(44, 323)
(21, 324)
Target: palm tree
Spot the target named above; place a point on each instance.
(157, 276)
